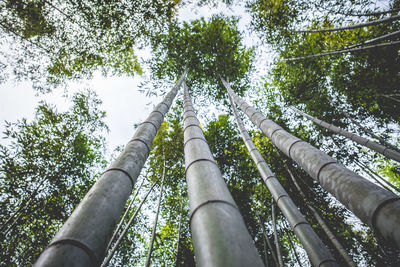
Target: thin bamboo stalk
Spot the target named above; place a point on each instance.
(271, 249)
(153, 232)
(372, 204)
(179, 236)
(321, 222)
(365, 24)
(377, 176)
(368, 14)
(317, 252)
(392, 154)
(366, 130)
(83, 239)
(128, 225)
(124, 216)
(374, 40)
(343, 51)
(293, 248)
(276, 235)
(21, 207)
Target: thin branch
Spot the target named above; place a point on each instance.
(131, 220)
(153, 233)
(5, 27)
(276, 235)
(368, 14)
(370, 23)
(114, 236)
(343, 51)
(383, 37)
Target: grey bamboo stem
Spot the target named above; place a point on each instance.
(317, 252)
(370, 23)
(179, 236)
(392, 154)
(121, 222)
(372, 204)
(153, 232)
(219, 235)
(83, 239)
(271, 249)
(336, 52)
(321, 222)
(128, 225)
(276, 235)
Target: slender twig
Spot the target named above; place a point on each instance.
(380, 38)
(2, 25)
(343, 51)
(271, 249)
(367, 14)
(131, 220)
(276, 235)
(153, 233)
(365, 24)
(179, 236)
(365, 167)
(114, 236)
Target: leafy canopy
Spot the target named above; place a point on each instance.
(208, 49)
(45, 171)
(50, 43)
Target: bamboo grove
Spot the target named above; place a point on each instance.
(218, 240)
(300, 167)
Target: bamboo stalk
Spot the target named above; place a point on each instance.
(374, 174)
(274, 258)
(153, 233)
(179, 236)
(392, 154)
(128, 225)
(220, 237)
(374, 40)
(366, 130)
(124, 216)
(365, 24)
(321, 222)
(372, 204)
(317, 252)
(343, 51)
(83, 239)
(276, 235)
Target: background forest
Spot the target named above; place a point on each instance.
(281, 56)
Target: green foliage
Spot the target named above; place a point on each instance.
(208, 49)
(70, 40)
(45, 171)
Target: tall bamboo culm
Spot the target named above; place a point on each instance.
(372, 204)
(83, 239)
(317, 252)
(220, 237)
(390, 153)
(349, 261)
